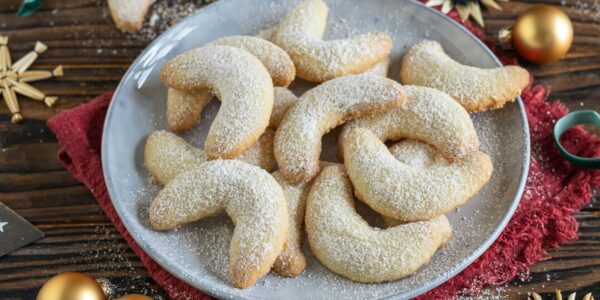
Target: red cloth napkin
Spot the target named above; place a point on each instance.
(79, 132)
(554, 191)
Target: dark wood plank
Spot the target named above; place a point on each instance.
(95, 55)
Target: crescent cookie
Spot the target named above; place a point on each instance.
(166, 155)
(278, 62)
(291, 261)
(298, 137)
(418, 155)
(242, 83)
(261, 153)
(250, 196)
(427, 115)
(476, 89)
(284, 99)
(402, 192)
(380, 69)
(300, 34)
(184, 109)
(347, 245)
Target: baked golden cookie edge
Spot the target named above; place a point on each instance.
(476, 89)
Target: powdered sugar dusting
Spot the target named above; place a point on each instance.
(300, 34)
(476, 89)
(261, 153)
(239, 80)
(427, 115)
(348, 245)
(249, 195)
(391, 187)
(298, 137)
(199, 252)
(284, 99)
(278, 63)
(166, 155)
(417, 154)
(291, 261)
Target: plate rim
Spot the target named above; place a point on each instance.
(206, 288)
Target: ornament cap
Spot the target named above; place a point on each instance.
(106, 286)
(505, 35)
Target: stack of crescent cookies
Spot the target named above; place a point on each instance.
(261, 158)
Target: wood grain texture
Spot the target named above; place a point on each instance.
(82, 37)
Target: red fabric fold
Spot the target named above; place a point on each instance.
(554, 191)
(79, 132)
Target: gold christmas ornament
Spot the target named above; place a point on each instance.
(14, 78)
(542, 34)
(135, 297)
(71, 286)
(78, 286)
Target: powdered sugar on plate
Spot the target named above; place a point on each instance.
(198, 252)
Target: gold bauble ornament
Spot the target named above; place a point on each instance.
(135, 297)
(71, 286)
(542, 34)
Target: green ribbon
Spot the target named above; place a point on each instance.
(28, 7)
(568, 121)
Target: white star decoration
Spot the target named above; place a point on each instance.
(2, 224)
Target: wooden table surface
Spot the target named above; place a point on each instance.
(81, 36)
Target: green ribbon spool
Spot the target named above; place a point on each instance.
(28, 7)
(568, 121)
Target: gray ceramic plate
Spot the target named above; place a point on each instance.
(197, 253)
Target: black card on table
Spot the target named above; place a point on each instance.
(15, 232)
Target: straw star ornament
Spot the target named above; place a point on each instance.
(14, 78)
(466, 8)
